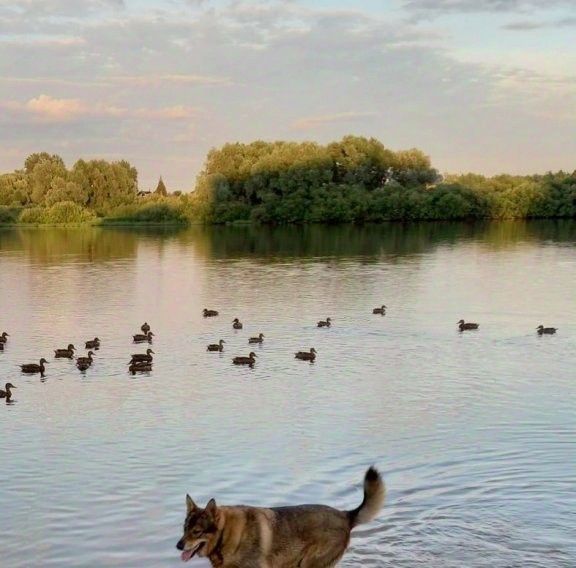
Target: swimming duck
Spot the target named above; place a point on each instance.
(141, 367)
(140, 338)
(463, 326)
(306, 355)
(237, 324)
(209, 313)
(93, 344)
(33, 368)
(83, 365)
(326, 323)
(250, 360)
(67, 353)
(259, 339)
(381, 310)
(4, 337)
(216, 346)
(7, 394)
(546, 330)
(145, 327)
(143, 357)
(85, 360)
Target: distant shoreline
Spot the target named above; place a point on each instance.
(354, 180)
(183, 225)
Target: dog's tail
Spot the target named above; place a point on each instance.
(374, 495)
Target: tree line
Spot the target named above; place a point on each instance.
(355, 179)
(359, 180)
(45, 191)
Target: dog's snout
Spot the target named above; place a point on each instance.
(180, 544)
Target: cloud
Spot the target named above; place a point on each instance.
(311, 122)
(63, 8)
(131, 81)
(439, 7)
(55, 42)
(527, 26)
(45, 108)
(61, 110)
(161, 86)
(176, 112)
(160, 80)
(524, 26)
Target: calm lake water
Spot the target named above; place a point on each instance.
(474, 433)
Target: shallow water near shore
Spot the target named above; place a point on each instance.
(474, 433)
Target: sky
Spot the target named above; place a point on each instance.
(479, 85)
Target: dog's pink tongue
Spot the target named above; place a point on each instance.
(187, 555)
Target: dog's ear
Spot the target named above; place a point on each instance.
(212, 509)
(190, 505)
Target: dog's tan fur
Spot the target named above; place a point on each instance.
(304, 536)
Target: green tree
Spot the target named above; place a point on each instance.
(106, 184)
(42, 170)
(14, 189)
(62, 190)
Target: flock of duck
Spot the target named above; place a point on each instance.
(142, 362)
(139, 362)
(311, 354)
(250, 360)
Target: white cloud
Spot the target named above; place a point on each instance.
(162, 80)
(495, 6)
(311, 122)
(531, 25)
(45, 108)
(43, 8)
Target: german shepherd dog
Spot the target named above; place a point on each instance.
(303, 536)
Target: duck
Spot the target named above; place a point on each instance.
(145, 327)
(463, 326)
(209, 313)
(83, 365)
(326, 323)
(67, 353)
(306, 355)
(141, 367)
(93, 344)
(381, 310)
(546, 330)
(143, 357)
(216, 346)
(237, 324)
(250, 360)
(33, 368)
(259, 339)
(4, 337)
(7, 394)
(141, 338)
(85, 360)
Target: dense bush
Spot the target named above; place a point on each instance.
(358, 180)
(151, 212)
(33, 215)
(68, 212)
(61, 213)
(290, 182)
(8, 215)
